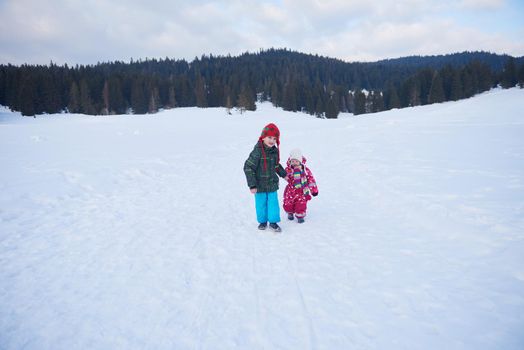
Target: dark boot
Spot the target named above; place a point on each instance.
(262, 226)
(275, 227)
(300, 220)
(290, 216)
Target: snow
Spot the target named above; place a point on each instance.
(139, 232)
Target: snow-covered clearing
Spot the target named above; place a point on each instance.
(139, 232)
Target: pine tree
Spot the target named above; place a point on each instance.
(105, 98)
(216, 93)
(74, 99)
(483, 74)
(309, 102)
(456, 86)
(378, 102)
(509, 74)
(393, 100)
(467, 83)
(274, 95)
(332, 107)
(319, 107)
(446, 74)
(27, 97)
(289, 101)
(251, 105)
(350, 102)
(3, 84)
(86, 103)
(474, 79)
(246, 100)
(425, 80)
(436, 92)
(201, 92)
(229, 104)
(360, 102)
(343, 106)
(172, 97)
(139, 101)
(51, 97)
(154, 101)
(414, 92)
(185, 97)
(369, 102)
(520, 76)
(117, 103)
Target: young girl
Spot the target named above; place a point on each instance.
(261, 169)
(301, 186)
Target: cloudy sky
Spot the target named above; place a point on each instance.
(88, 31)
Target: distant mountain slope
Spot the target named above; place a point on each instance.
(495, 61)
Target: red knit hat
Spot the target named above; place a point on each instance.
(270, 130)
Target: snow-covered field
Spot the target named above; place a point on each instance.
(139, 232)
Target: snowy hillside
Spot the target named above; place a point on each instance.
(139, 232)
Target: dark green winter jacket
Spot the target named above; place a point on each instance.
(265, 180)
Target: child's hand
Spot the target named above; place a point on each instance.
(253, 190)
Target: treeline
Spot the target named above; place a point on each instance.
(294, 81)
(429, 86)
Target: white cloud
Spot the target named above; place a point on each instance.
(482, 4)
(372, 42)
(90, 31)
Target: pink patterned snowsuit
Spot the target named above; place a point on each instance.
(301, 185)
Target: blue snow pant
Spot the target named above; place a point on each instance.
(267, 207)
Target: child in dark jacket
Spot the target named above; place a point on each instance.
(301, 186)
(261, 169)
